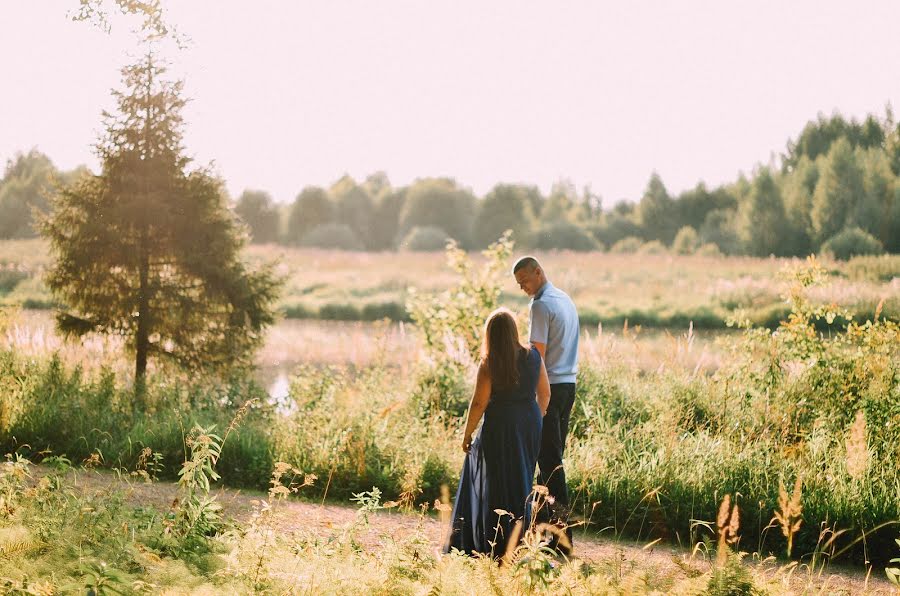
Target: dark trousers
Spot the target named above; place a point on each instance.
(553, 443)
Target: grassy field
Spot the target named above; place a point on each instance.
(272, 545)
(664, 291)
(798, 424)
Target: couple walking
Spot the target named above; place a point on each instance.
(526, 396)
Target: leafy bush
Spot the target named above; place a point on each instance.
(439, 202)
(852, 242)
(334, 236)
(298, 311)
(686, 241)
(339, 312)
(440, 389)
(453, 320)
(628, 245)
(562, 235)
(393, 311)
(709, 250)
(425, 239)
(9, 279)
(654, 247)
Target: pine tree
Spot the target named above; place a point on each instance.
(149, 250)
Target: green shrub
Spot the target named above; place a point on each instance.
(298, 311)
(393, 311)
(686, 241)
(852, 242)
(709, 250)
(339, 312)
(333, 236)
(38, 304)
(9, 279)
(562, 235)
(425, 239)
(654, 247)
(628, 245)
(440, 389)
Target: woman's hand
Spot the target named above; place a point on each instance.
(467, 443)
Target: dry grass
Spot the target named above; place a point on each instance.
(608, 286)
(301, 547)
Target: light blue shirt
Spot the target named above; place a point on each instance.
(554, 323)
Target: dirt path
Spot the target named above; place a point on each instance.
(296, 515)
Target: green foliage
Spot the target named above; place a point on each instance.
(386, 219)
(425, 239)
(686, 241)
(562, 235)
(10, 278)
(24, 188)
(505, 207)
(256, 209)
(653, 247)
(819, 137)
(354, 208)
(781, 404)
(720, 228)
(333, 236)
(761, 219)
(852, 242)
(797, 189)
(656, 212)
(311, 208)
(878, 210)
(148, 250)
(839, 187)
(893, 573)
(439, 202)
(628, 245)
(198, 515)
(453, 320)
(708, 250)
(615, 226)
(440, 389)
(731, 579)
(694, 205)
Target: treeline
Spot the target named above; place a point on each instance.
(836, 190)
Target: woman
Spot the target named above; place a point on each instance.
(499, 468)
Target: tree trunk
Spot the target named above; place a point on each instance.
(142, 337)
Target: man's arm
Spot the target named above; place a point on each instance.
(540, 327)
(543, 389)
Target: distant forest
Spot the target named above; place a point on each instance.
(836, 190)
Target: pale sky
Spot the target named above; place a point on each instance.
(288, 94)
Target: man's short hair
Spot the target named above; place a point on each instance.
(529, 262)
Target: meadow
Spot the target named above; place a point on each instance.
(651, 290)
(800, 427)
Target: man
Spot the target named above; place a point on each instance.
(554, 332)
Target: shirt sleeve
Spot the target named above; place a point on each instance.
(540, 323)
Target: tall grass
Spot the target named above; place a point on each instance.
(652, 450)
(649, 290)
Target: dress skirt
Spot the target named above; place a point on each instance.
(497, 478)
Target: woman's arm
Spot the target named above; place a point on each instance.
(479, 403)
(543, 389)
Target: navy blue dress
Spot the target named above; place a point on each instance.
(499, 469)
